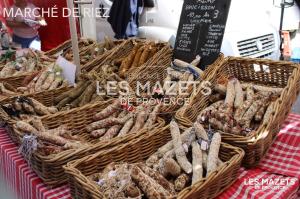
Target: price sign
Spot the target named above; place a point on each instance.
(201, 30)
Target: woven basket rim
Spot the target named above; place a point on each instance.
(17, 76)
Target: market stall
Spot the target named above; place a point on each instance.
(137, 118)
(281, 162)
(89, 127)
(76, 134)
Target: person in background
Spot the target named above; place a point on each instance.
(24, 30)
(124, 18)
(4, 37)
(57, 30)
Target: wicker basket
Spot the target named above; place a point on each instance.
(122, 45)
(162, 59)
(101, 60)
(277, 74)
(50, 168)
(173, 108)
(16, 81)
(44, 97)
(118, 52)
(157, 71)
(66, 45)
(138, 150)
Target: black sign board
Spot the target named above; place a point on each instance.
(201, 30)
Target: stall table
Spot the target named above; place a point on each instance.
(277, 176)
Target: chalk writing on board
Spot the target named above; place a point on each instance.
(201, 30)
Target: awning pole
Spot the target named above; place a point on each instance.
(74, 37)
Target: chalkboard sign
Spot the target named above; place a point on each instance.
(201, 30)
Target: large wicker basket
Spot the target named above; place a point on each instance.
(122, 47)
(18, 80)
(44, 97)
(138, 150)
(272, 73)
(155, 71)
(119, 52)
(50, 168)
(95, 61)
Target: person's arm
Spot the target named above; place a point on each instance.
(16, 24)
(38, 17)
(12, 22)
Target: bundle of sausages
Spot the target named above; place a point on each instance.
(50, 141)
(7, 57)
(47, 79)
(21, 65)
(181, 72)
(175, 166)
(25, 108)
(89, 90)
(83, 45)
(245, 107)
(31, 61)
(114, 121)
(132, 181)
(182, 160)
(6, 90)
(89, 49)
(96, 50)
(139, 55)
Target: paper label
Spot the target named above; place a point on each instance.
(266, 69)
(101, 182)
(69, 69)
(204, 144)
(28, 146)
(112, 174)
(256, 68)
(185, 147)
